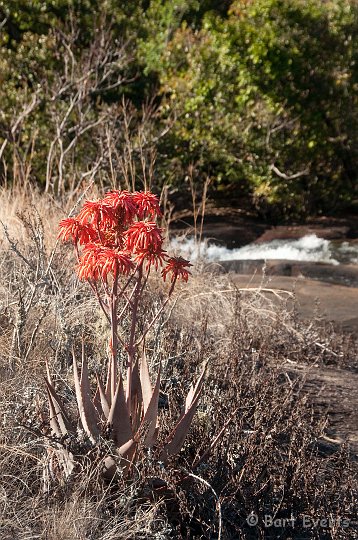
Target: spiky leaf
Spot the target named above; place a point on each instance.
(58, 411)
(54, 424)
(150, 419)
(136, 399)
(111, 383)
(88, 414)
(118, 417)
(102, 397)
(176, 438)
(195, 390)
(147, 391)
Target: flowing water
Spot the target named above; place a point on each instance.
(308, 248)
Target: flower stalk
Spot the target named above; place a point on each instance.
(131, 345)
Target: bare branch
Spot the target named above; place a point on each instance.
(285, 176)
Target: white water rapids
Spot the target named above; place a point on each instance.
(308, 248)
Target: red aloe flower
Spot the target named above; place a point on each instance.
(72, 229)
(115, 262)
(123, 204)
(144, 235)
(89, 264)
(154, 257)
(147, 204)
(177, 266)
(98, 213)
(98, 261)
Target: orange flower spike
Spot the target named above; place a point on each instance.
(72, 229)
(98, 213)
(86, 272)
(68, 229)
(144, 235)
(112, 238)
(123, 204)
(154, 258)
(89, 263)
(147, 204)
(177, 267)
(115, 262)
(97, 261)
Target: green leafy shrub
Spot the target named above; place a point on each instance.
(266, 99)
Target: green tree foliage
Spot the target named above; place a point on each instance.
(267, 98)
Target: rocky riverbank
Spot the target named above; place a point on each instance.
(324, 287)
(335, 303)
(342, 274)
(236, 228)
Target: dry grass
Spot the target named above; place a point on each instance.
(270, 459)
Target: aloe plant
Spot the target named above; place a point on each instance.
(117, 242)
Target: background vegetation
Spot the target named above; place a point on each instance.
(258, 95)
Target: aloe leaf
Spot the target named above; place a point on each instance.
(136, 398)
(147, 391)
(108, 385)
(103, 399)
(125, 457)
(88, 414)
(177, 436)
(48, 373)
(127, 450)
(176, 439)
(55, 427)
(195, 389)
(150, 419)
(118, 417)
(97, 404)
(111, 383)
(114, 379)
(59, 410)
